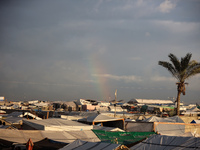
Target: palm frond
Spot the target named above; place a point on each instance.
(175, 61)
(169, 67)
(185, 61)
(193, 69)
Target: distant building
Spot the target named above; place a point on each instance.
(2, 98)
(149, 101)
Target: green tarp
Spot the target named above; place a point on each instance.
(123, 138)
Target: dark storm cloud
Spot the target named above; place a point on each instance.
(61, 49)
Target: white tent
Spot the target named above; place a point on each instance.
(56, 124)
(84, 145)
(149, 101)
(168, 126)
(162, 142)
(169, 119)
(192, 111)
(22, 136)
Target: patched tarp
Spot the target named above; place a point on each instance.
(169, 119)
(22, 136)
(124, 138)
(84, 145)
(104, 120)
(163, 142)
(167, 126)
(57, 124)
(131, 126)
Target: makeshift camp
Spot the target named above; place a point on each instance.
(104, 121)
(83, 145)
(54, 124)
(124, 138)
(193, 111)
(162, 142)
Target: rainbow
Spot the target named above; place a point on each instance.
(96, 71)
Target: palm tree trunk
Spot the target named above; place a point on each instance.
(178, 103)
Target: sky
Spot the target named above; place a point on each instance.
(66, 50)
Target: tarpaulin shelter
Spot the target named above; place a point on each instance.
(55, 124)
(149, 101)
(84, 145)
(176, 119)
(163, 142)
(104, 121)
(22, 136)
(165, 126)
(124, 138)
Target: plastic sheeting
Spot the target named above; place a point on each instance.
(139, 126)
(83, 145)
(57, 125)
(124, 138)
(22, 136)
(162, 142)
(169, 119)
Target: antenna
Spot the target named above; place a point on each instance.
(115, 101)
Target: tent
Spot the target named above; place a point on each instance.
(195, 121)
(55, 124)
(167, 126)
(124, 138)
(192, 111)
(163, 142)
(22, 136)
(84, 145)
(23, 114)
(149, 101)
(104, 121)
(159, 119)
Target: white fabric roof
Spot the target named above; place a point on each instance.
(159, 119)
(57, 124)
(101, 118)
(22, 136)
(162, 142)
(83, 145)
(150, 101)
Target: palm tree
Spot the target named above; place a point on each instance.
(182, 70)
